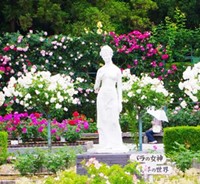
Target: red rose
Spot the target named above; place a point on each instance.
(72, 122)
(75, 114)
(37, 115)
(7, 48)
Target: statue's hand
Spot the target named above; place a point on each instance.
(96, 90)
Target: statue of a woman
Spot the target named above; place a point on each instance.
(108, 85)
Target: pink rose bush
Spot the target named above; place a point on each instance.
(136, 52)
(34, 125)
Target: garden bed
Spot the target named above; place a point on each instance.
(45, 144)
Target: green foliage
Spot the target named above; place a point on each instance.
(183, 117)
(71, 17)
(3, 147)
(72, 135)
(29, 163)
(183, 157)
(101, 173)
(186, 135)
(32, 162)
(167, 8)
(67, 177)
(179, 40)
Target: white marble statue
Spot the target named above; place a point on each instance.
(108, 85)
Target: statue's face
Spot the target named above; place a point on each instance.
(106, 53)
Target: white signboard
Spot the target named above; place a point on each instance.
(151, 163)
(155, 169)
(148, 158)
(14, 142)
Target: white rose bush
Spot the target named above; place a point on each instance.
(142, 93)
(42, 91)
(191, 82)
(139, 94)
(2, 98)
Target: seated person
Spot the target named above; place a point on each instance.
(156, 128)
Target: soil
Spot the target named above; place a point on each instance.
(8, 173)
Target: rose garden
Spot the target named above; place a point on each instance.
(48, 105)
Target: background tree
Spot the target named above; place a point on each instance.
(167, 8)
(72, 17)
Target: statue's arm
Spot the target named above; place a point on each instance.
(119, 90)
(97, 81)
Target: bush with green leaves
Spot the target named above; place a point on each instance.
(3, 146)
(183, 157)
(29, 163)
(67, 177)
(186, 135)
(183, 117)
(51, 161)
(100, 173)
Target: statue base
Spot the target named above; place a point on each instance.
(108, 158)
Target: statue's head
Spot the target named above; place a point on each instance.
(106, 52)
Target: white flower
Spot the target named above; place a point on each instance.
(138, 91)
(58, 106)
(65, 109)
(28, 96)
(191, 83)
(183, 104)
(43, 89)
(130, 94)
(52, 100)
(40, 85)
(2, 98)
(37, 92)
(143, 97)
(144, 91)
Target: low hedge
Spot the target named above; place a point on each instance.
(186, 135)
(3, 147)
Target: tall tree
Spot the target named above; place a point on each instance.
(191, 8)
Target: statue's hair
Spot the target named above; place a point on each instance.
(106, 50)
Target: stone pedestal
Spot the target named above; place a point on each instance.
(108, 158)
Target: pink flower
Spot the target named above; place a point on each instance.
(135, 62)
(161, 64)
(54, 130)
(153, 64)
(128, 66)
(164, 56)
(174, 67)
(2, 69)
(78, 129)
(152, 74)
(7, 48)
(169, 71)
(160, 77)
(86, 125)
(40, 129)
(24, 130)
(155, 147)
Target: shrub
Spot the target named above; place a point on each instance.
(67, 177)
(186, 135)
(100, 173)
(3, 147)
(33, 162)
(183, 157)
